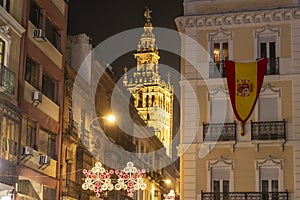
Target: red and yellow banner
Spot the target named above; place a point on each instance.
(244, 83)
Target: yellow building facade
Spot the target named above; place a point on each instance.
(217, 162)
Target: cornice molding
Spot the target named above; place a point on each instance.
(237, 18)
(10, 21)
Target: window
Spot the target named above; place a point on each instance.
(38, 18)
(5, 4)
(32, 72)
(9, 137)
(2, 51)
(220, 106)
(267, 39)
(47, 143)
(220, 175)
(268, 106)
(49, 87)
(52, 34)
(48, 193)
(35, 15)
(29, 132)
(220, 45)
(269, 176)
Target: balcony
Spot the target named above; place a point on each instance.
(245, 195)
(8, 172)
(268, 130)
(219, 132)
(272, 66)
(217, 69)
(7, 80)
(70, 189)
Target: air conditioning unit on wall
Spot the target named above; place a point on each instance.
(27, 151)
(44, 160)
(39, 35)
(36, 98)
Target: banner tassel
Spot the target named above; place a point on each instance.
(242, 128)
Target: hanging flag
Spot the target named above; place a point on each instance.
(244, 82)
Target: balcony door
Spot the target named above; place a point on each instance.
(221, 189)
(269, 182)
(220, 182)
(268, 47)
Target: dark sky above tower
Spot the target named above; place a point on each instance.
(103, 19)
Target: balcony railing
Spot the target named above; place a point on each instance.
(7, 79)
(272, 66)
(245, 195)
(219, 131)
(217, 69)
(269, 130)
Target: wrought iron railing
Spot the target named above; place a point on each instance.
(217, 69)
(245, 195)
(268, 130)
(7, 79)
(219, 131)
(272, 66)
(8, 172)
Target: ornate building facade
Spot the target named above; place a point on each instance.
(153, 97)
(217, 162)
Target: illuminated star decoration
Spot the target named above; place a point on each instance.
(130, 179)
(98, 179)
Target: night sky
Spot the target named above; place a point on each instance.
(102, 19)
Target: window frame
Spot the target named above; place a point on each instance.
(30, 64)
(220, 163)
(220, 36)
(269, 91)
(51, 148)
(269, 162)
(219, 94)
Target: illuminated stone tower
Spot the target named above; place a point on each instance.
(153, 96)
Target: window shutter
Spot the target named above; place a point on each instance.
(220, 173)
(269, 173)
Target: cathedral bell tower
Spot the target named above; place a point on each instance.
(153, 96)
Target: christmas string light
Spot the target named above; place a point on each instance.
(99, 180)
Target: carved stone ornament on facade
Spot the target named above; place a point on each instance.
(238, 18)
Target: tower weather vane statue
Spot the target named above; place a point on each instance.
(147, 14)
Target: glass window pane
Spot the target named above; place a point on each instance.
(264, 186)
(216, 186)
(43, 142)
(216, 52)
(263, 50)
(225, 51)
(226, 186)
(274, 185)
(272, 50)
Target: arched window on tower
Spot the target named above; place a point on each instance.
(140, 99)
(153, 99)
